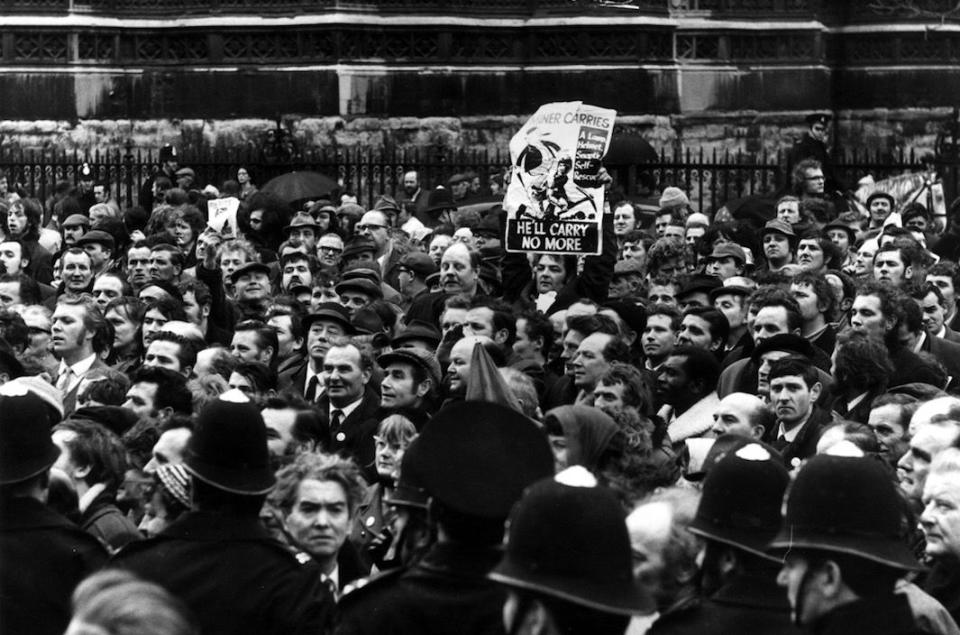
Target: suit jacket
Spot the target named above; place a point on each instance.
(355, 436)
(950, 335)
(70, 399)
(804, 445)
(292, 374)
(948, 354)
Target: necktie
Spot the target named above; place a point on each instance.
(332, 587)
(336, 418)
(63, 382)
(312, 385)
(781, 442)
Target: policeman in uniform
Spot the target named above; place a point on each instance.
(844, 546)
(219, 559)
(474, 459)
(568, 561)
(813, 145)
(738, 515)
(43, 555)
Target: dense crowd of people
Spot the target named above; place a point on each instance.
(350, 420)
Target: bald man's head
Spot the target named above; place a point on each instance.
(743, 414)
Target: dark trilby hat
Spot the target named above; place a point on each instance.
(228, 448)
(358, 245)
(479, 457)
(570, 542)
(301, 219)
(362, 285)
(699, 284)
(334, 313)
(836, 224)
(417, 331)
(26, 449)
(845, 505)
(789, 342)
(742, 494)
(440, 199)
(168, 153)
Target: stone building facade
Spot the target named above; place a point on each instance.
(733, 75)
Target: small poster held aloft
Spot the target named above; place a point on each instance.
(222, 216)
(555, 201)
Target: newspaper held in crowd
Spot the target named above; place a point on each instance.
(222, 216)
(555, 202)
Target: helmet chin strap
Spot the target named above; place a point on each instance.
(796, 613)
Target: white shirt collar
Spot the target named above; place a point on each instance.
(346, 410)
(788, 435)
(81, 367)
(920, 341)
(943, 331)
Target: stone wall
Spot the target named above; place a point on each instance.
(878, 130)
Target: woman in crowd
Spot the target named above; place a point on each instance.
(247, 186)
(372, 531)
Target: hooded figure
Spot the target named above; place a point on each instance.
(590, 435)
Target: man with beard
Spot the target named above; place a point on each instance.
(297, 270)
(79, 334)
(411, 380)
(303, 228)
(413, 198)
(686, 386)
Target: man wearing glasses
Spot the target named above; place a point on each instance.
(375, 226)
(329, 248)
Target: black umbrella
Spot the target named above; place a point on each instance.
(300, 186)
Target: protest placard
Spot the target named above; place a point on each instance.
(222, 215)
(555, 202)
